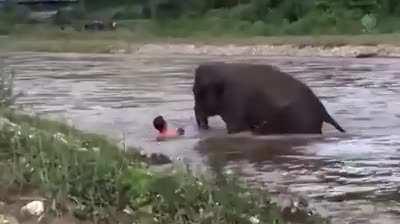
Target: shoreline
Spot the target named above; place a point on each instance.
(362, 46)
(292, 50)
(358, 51)
(131, 183)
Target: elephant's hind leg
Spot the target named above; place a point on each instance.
(292, 120)
(302, 121)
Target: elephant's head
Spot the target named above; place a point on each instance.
(207, 89)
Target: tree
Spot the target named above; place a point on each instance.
(391, 7)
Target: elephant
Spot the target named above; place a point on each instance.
(257, 97)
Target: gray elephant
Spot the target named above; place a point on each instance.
(257, 98)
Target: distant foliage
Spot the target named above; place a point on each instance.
(251, 17)
(10, 14)
(67, 16)
(368, 22)
(262, 16)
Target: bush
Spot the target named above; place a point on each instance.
(219, 13)
(389, 25)
(293, 10)
(130, 12)
(368, 22)
(313, 23)
(349, 21)
(274, 17)
(67, 16)
(243, 12)
(279, 16)
(242, 26)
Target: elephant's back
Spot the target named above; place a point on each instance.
(253, 74)
(260, 79)
(265, 78)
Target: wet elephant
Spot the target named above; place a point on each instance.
(257, 98)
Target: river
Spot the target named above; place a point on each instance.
(351, 178)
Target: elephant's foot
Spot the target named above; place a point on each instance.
(204, 127)
(201, 119)
(233, 129)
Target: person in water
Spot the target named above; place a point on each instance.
(164, 133)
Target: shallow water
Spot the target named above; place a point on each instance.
(352, 178)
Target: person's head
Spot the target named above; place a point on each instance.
(160, 124)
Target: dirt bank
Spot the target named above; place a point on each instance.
(264, 50)
(336, 46)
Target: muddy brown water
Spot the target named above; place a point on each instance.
(351, 178)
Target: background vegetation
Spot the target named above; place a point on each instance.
(182, 18)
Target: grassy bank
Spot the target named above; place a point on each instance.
(89, 178)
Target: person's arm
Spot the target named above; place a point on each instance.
(171, 134)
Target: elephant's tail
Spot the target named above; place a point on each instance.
(327, 118)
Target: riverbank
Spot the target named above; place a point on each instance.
(123, 43)
(79, 176)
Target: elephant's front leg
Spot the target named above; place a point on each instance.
(235, 125)
(201, 118)
(234, 117)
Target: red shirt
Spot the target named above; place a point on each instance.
(171, 133)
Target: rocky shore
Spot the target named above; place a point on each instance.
(264, 50)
